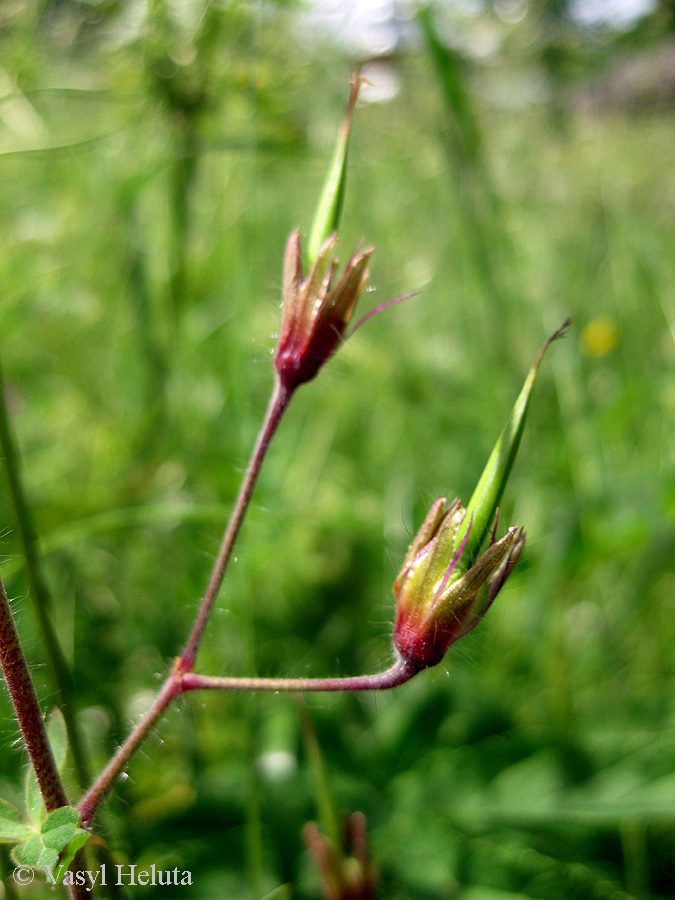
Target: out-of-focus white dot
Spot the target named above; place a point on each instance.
(381, 82)
(277, 765)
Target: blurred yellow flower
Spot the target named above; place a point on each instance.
(599, 337)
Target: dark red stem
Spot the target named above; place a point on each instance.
(27, 709)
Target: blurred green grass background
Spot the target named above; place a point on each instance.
(149, 180)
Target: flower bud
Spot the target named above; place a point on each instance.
(438, 598)
(315, 312)
(445, 588)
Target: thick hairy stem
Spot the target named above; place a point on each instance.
(27, 709)
(278, 402)
(29, 716)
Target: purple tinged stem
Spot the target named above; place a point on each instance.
(172, 687)
(33, 730)
(27, 709)
(278, 404)
(181, 682)
(89, 803)
(182, 678)
(397, 674)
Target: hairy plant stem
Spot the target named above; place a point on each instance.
(179, 683)
(397, 674)
(27, 709)
(29, 716)
(182, 679)
(89, 803)
(279, 401)
(61, 674)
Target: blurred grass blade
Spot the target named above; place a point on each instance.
(283, 892)
(324, 799)
(162, 514)
(253, 829)
(483, 504)
(484, 230)
(458, 105)
(462, 131)
(329, 208)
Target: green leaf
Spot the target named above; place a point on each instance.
(56, 844)
(464, 131)
(60, 826)
(329, 207)
(12, 826)
(483, 504)
(30, 852)
(34, 805)
(49, 858)
(68, 853)
(59, 838)
(58, 737)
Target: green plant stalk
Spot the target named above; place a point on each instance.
(323, 797)
(61, 675)
(183, 173)
(478, 201)
(253, 830)
(63, 686)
